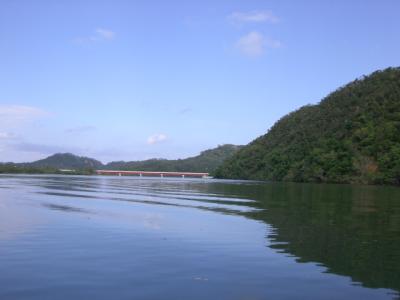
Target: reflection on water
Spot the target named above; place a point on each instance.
(354, 231)
(144, 238)
(64, 208)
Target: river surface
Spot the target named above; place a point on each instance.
(100, 237)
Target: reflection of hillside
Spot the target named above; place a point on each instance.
(353, 231)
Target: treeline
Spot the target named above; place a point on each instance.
(351, 136)
(11, 168)
(207, 161)
(67, 163)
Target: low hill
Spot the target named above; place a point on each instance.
(206, 161)
(66, 161)
(353, 135)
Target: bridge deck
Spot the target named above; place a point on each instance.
(152, 173)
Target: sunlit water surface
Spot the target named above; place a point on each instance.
(77, 237)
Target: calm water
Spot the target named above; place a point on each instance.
(65, 237)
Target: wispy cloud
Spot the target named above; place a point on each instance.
(13, 120)
(15, 115)
(6, 135)
(255, 16)
(40, 148)
(271, 43)
(254, 44)
(104, 34)
(80, 129)
(20, 111)
(184, 111)
(156, 138)
(99, 35)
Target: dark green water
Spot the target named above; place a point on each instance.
(77, 237)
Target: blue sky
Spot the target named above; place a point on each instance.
(131, 80)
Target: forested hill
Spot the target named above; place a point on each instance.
(353, 135)
(206, 161)
(66, 161)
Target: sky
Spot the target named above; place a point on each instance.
(133, 80)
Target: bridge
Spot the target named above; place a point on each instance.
(152, 173)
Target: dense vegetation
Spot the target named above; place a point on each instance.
(12, 168)
(67, 163)
(207, 161)
(353, 135)
(60, 163)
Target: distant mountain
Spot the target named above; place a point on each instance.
(66, 161)
(206, 161)
(353, 135)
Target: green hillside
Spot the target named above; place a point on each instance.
(67, 161)
(54, 164)
(206, 161)
(353, 135)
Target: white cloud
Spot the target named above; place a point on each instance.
(185, 111)
(16, 115)
(20, 111)
(17, 150)
(80, 129)
(271, 43)
(42, 148)
(99, 35)
(156, 138)
(6, 135)
(254, 44)
(255, 16)
(104, 34)
(13, 119)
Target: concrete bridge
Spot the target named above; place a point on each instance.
(152, 173)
